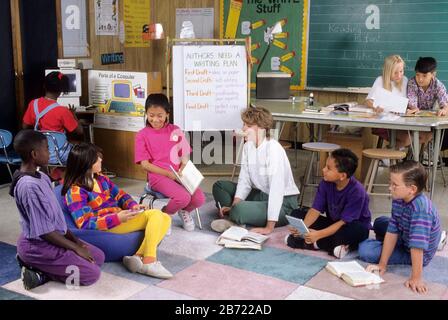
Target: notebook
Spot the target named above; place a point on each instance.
(390, 102)
(190, 178)
(240, 238)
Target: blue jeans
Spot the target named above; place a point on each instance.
(370, 250)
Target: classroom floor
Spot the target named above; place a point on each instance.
(203, 270)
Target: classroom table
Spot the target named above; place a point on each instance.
(292, 111)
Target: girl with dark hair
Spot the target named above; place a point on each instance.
(46, 114)
(95, 202)
(157, 147)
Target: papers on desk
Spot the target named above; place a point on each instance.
(389, 102)
(353, 106)
(389, 116)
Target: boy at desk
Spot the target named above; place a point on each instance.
(423, 91)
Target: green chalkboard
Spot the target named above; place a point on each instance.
(244, 18)
(349, 39)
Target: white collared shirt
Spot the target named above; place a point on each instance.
(395, 90)
(267, 169)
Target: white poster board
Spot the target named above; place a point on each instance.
(202, 19)
(74, 28)
(106, 17)
(119, 97)
(209, 87)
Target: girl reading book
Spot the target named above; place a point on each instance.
(157, 147)
(95, 202)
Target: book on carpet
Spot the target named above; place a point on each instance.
(240, 238)
(190, 178)
(353, 273)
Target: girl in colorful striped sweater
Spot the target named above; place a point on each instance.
(95, 202)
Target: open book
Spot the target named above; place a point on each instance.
(240, 238)
(190, 178)
(353, 273)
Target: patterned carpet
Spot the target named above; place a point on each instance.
(204, 270)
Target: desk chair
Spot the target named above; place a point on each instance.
(59, 148)
(376, 155)
(154, 195)
(8, 158)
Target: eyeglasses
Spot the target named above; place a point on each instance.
(395, 186)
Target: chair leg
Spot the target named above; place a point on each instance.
(306, 178)
(9, 170)
(372, 176)
(369, 172)
(441, 169)
(199, 218)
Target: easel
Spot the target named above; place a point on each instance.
(247, 42)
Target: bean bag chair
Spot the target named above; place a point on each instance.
(114, 246)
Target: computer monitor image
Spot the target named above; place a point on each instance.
(74, 80)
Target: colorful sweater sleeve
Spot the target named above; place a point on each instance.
(123, 199)
(83, 214)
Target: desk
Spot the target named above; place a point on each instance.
(87, 118)
(286, 111)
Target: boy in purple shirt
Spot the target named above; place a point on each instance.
(345, 203)
(46, 249)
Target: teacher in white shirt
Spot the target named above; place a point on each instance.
(266, 191)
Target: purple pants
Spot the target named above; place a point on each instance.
(54, 261)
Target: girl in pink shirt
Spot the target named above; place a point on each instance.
(157, 147)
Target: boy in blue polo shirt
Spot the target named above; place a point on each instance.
(413, 231)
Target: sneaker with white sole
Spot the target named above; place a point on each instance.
(442, 242)
(156, 270)
(221, 225)
(132, 263)
(32, 279)
(187, 220)
(340, 251)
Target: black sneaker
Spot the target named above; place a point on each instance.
(297, 243)
(32, 279)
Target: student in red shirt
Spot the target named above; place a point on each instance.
(50, 115)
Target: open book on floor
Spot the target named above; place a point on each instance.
(353, 273)
(190, 178)
(240, 238)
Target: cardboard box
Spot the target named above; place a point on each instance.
(273, 85)
(154, 82)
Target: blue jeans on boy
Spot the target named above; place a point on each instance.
(370, 250)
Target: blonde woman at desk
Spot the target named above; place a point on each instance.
(393, 80)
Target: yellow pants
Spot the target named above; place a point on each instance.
(154, 222)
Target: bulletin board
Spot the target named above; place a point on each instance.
(288, 52)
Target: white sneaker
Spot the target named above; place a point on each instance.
(132, 263)
(286, 238)
(340, 251)
(187, 220)
(442, 241)
(221, 225)
(156, 270)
